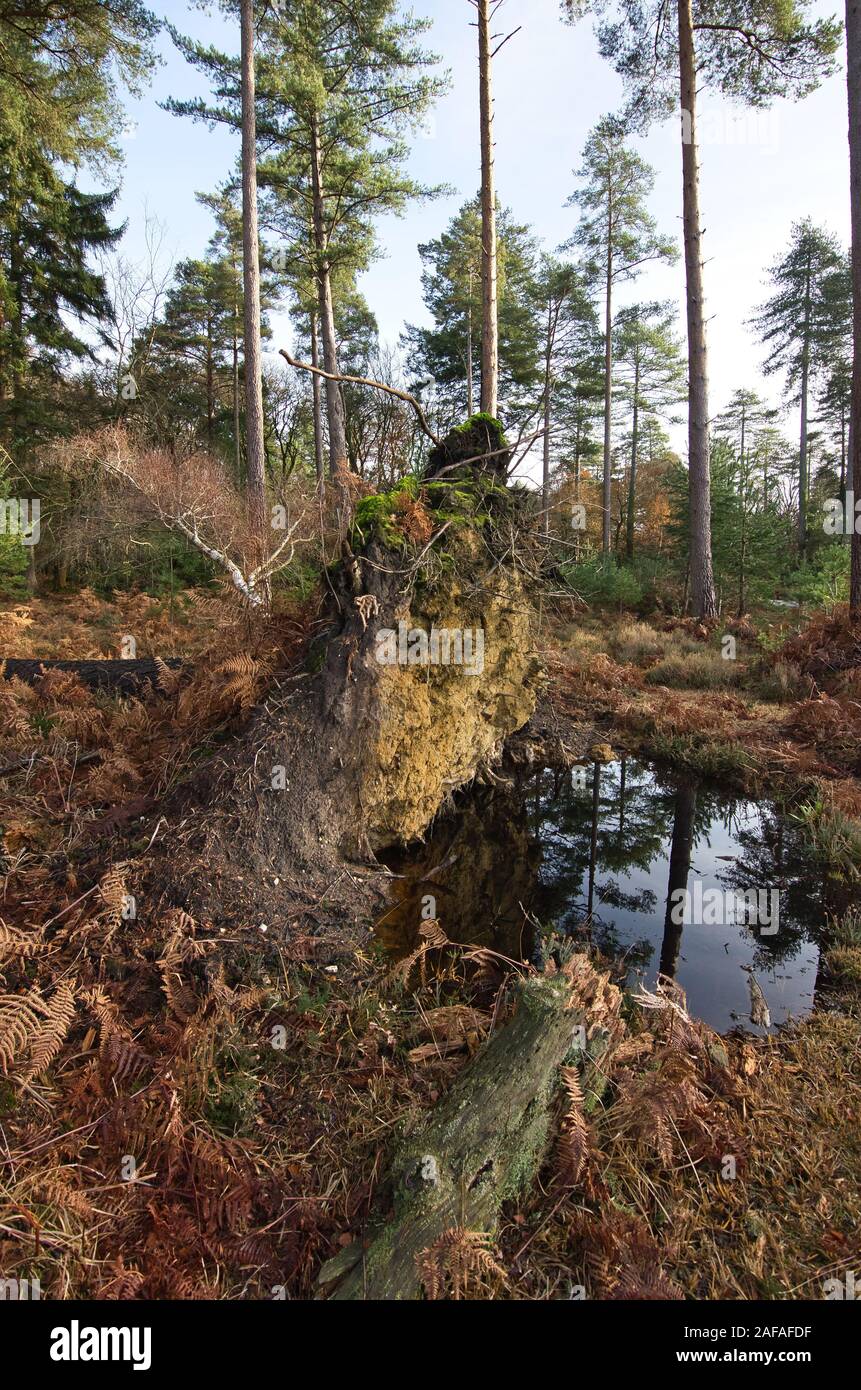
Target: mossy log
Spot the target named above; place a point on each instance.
(482, 1145)
(119, 677)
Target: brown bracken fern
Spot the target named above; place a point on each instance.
(459, 1263)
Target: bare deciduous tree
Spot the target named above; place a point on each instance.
(198, 500)
(135, 291)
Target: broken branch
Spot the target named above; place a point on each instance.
(365, 381)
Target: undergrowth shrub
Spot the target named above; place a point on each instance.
(597, 581)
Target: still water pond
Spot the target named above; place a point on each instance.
(664, 875)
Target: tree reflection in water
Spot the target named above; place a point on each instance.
(614, 853)
(597, 853)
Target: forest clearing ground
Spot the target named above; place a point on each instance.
(84, 624)
(261, 1080)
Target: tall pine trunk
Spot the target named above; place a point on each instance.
(317, 402)
(334, 398)
(490, 324)
(545, 470)
(251, 279)
(237, 439)
(470, 397)
(210, 385)
(803, 444)
(632, 480)
(608, 391)
(853, 79)
(700, 540)
(843, 456)
(742, 551)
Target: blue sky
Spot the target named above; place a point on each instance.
(760, 172)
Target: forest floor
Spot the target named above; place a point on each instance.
(258, 1079)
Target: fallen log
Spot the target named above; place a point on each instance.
(480, 1147)
(118, 677)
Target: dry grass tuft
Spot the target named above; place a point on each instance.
(698, 670)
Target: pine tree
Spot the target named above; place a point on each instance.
(48, 228)
(338, 88)
(569, 329)
(648, 351)
(449, 353)
(745, 52)
(195, 336)
(255, 446)
(835, 402)
(750, 540)
(486, 12)
(61, 67)
(741, 425)
(801, 325)
(618, 237)
(226, 247)
(579, 402)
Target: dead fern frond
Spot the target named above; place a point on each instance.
(653, 1109)
(622, 1255)
(20, 1020)
(243, 678)
(112, 892)
(19, 945)
(167, 678)
(49, 1037)
(224, 1181)
(433, 939)
(573, 1148)
(459, 1261)
(120, 1055)
(55, 1189)
(433, 934)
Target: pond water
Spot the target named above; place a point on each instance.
(665, 875)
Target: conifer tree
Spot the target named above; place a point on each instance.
(449, 352)
(48, 228)
(853, 86)
(668, 52)
(801, 325)
(617, 236)
(648, 352)
(338, 89)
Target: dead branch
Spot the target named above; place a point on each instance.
(365, 381)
